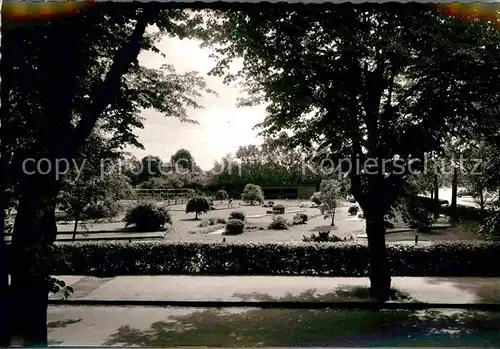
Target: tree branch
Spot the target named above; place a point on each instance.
(110, 87)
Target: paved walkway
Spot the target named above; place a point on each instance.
(423, 289)
(132, 326)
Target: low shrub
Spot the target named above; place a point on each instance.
(101, 209)
(204, 223)
(300, 218)
(491, 228)
(415, 214)
(429, 204)
(323, 236)
(106, 259)
(208, 230)
(234, 227)
(316, 198)
(254, 227)
(278, 223)
(147, 216)
(467, 213)
(212, 221)
(353, 210)
(421, 219)
(237, 215)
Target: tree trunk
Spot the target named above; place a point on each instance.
(77, 217)
(374, 209)
(454, 190)
(28, 312)
(196, 215)
(35, 231)
(481, 201)
(333, 219)
(380, 278)
(437, 205)
(35, 228)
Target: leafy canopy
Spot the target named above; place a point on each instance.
(197, 204)
(385, 83)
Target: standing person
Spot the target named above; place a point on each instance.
(230, 204)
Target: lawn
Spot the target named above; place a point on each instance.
(186, 228)
(464, 231)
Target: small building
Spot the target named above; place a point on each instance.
(300, 192)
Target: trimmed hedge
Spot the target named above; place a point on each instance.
(252, 258)
(237, 215)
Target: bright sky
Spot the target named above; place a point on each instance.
(222, 127)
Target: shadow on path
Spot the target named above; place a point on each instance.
(275, 327)
(487, 290)
(58, 324)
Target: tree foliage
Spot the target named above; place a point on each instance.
(381, 67)
(329, 196)
(271, 164)
(377, 85)
(87, 185)
(197, 204)
(221, 195)
(480, 172)
(169, 181)
(51, 109)
(252, 193)
(183, 159)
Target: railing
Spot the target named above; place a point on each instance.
(278, 304)
(173, 196)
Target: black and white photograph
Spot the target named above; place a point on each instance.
(249, 174)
